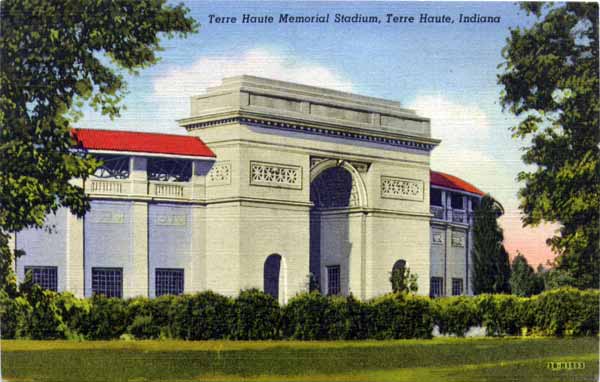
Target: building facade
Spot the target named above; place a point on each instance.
(275, 183)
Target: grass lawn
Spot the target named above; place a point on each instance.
(461, 360)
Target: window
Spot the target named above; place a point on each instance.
(107, 281)
(435, 197)
(457, 287)
(333, 280)
(436, 287)
(168, 281)
(45, 277)
(113, 167)
(169, 170)
(457, 202)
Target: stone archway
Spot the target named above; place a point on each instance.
(359, 191)
(336, 189)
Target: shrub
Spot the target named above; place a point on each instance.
(455, 315)
(402, 316)
(566, 311)
(13, 313)
(502, 314)
(150, 318)
(201, 316)
(43, 319)
(305, 317)
(74, 312)
(143, 327)
(256, 316)
(108, 318)
(253, 315)
(347, 319)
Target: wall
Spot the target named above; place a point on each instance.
(170, 241)
(111, 241)
(45, 247)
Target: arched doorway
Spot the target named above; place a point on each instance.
(272, 271)
(333, 191)
(397, 276)
(399, 265)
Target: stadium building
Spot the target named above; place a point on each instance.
(274, 183)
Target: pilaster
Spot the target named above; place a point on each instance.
(74, 272)
(139, 175)
(137, 280)
(195, 277)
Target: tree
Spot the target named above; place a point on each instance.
(491, 267)
(403, 281)
(551, 80)
(55, 56)
(523, 280)
(555, 278)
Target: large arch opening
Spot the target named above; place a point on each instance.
(333, 192)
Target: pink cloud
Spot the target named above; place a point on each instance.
(530, 241)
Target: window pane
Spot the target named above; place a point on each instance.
(457, 202)
(333, 280)
(107, 281)
(168, 281)
(436, 286)
(45, 277)
(435, 197)
(457, 287)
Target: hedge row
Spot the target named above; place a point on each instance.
(254, 315)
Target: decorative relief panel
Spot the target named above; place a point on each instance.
(437, 238)
(219, 175)
(458, 240)
(107, 217)
(400, 188)
(170, 220)
(275, 175)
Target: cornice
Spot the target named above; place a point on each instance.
(308, 127)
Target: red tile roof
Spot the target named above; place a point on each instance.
(138, 142)
(450, 181)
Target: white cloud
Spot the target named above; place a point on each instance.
(467, 137)
(169, 99)
(176, 86)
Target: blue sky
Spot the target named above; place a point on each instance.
(445, 71)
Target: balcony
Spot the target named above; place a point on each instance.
(166, 190)
(437, 212)
(449, 215)
(459, 216)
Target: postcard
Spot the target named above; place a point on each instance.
(299, 191)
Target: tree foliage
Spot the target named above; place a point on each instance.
(57, 55)
(491, 267)
(524, 281)
(403, 281)
(551, 79)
